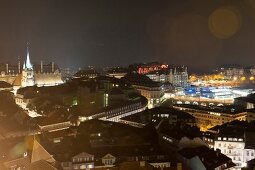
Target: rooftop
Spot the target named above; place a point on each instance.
(210, 158)
(228, 109)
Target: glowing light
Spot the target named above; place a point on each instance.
(28, 64)
(243, 78)
(224, 22)
(251, 78)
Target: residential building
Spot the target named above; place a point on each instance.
(204, 158)
(207, 117)
(236, 140)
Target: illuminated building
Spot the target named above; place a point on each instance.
(235, 140)
(252, 71)
(152, 92)
(234, 147)
(150, 67)
(117, 72)
(231, 72)
(83, 161)
(27, 75)
(30, 75)
(115, 113)
(178, 76)
(209, 95)
(109, 159)
(207, 117)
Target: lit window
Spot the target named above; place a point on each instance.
(224, 138)
(240, 139)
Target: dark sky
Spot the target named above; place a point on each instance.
(75, 33)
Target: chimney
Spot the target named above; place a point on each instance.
(41, 66)
(7, 69)
(52, 67)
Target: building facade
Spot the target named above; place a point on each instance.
(30, 75)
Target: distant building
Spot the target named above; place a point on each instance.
(83, 161)
(252, 71)
(30, 75)
(89, 73)
(108, 159)
(177, 76)
(117, 72)
(207, 117)
(153, 91)
(146, 68)
(231, 72)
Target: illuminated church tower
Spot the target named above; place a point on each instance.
(28, 78)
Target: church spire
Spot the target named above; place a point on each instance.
(24, 65)
(28, 63)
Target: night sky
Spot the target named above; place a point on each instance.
(76, 33)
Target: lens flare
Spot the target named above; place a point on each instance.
(225, 22)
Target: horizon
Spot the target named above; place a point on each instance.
(83, 33)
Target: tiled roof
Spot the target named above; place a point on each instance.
(83, 154)
(41, 165)
(39, 153)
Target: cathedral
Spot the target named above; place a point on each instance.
(30, 75)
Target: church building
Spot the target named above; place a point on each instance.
(31, 75)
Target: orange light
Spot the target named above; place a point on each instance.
(243, 78)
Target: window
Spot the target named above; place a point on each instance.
(240, 139)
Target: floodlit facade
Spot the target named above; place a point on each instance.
(234, 148)
(152, 93)
(30, 75)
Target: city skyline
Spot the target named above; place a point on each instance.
(100, 33)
